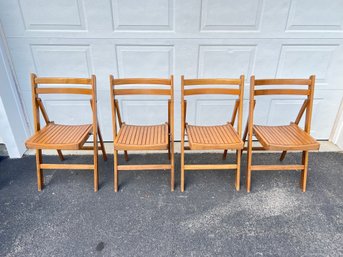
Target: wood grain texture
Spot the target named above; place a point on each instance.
(134, 137)
(213, 137)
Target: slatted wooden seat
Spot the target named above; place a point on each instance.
(60, 136)
(221, 137)
(135, 137)
(283, 138)
(289, 137)
(131, 137)
(213, 137)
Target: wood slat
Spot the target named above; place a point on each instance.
(81, 81)
(212, 91)
(64, 90)
(213, 137)
(219, 81)
(261, 82)
(289, 137)
(133, 81)
(147, 91)
(132, 137)
(281, 92)
(67, 166)
(62, 137)
(277, 167)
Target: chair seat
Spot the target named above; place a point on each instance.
(62, 137)
(213, 137)
(289, 137)
(134, 137)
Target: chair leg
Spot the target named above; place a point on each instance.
(126, 156)
(283, 155)
(115, 157)
(182, 168)
(238, 171)
(104, 155)
(60, 155)
(249, 157)
(224, 154)
(303, 179)
(40, 179)
(96, 170)
(172, 170)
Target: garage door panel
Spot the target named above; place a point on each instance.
(145, 60)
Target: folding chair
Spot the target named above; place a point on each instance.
(136, 137)
(222, 137)
(63, 137)
(281, 138)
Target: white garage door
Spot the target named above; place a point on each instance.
(156, 38)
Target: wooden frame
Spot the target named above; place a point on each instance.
(216, 133)
(289, 137)
(159, 137)
(64, 137)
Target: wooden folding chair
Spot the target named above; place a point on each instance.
(222, 137)
(64, 137)
(281, 138)
(135, 137)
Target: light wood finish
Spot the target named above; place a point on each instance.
(137, 137)
(289, 137)
(131, 137)
(60, 136)
(284, 138)
(212, 137)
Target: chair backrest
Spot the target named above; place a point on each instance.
(262, 87)
(210, 86)
(145, 88)
(37, 102)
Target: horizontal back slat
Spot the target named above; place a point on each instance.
(213, 91)
(64, 90)
(82, 81)
(263, 82)
(147, 91)
(194, 82)
(132, 81)
(281, 92)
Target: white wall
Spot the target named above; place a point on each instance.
(197, 38)
(13, 125)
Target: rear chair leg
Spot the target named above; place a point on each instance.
(60, 155)
(303, 178)
(238, 171)
(96, 170)
(172, 171)
(40, 179)
(224, 154)
(126, 156)
(115, 156)
(249, 165)
(283, 155)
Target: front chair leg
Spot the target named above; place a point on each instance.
(172, 170)
(303, 178)
(115, 156)
(238, 171)
(40, 179)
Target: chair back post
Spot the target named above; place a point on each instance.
(94, 109)
(182, 108)
(114, 111)
(240, 106)
(35, 107)
(251, 106)
(309, 108)
(171, 114)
